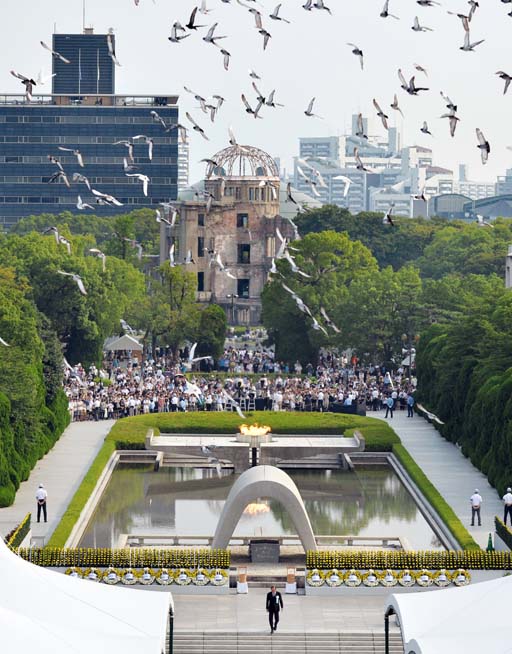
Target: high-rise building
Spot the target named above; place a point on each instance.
(183, 163)
(91, 68)
(322, 147)
(91, 124)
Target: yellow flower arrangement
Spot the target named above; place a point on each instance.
(315, 578)
(371, 578)
(352, 578)
(388, 578)
(333, 578)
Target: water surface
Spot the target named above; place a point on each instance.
(371, 501)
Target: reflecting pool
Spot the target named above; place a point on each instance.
(370, 501)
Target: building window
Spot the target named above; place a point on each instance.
(244, 253)
(238, 193)
(271, 246)
(200, 282)
(200, 246)
(243, 288)
(200, 219)
(242, 220)
(251, 193)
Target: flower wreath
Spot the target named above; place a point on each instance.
(74, 572)
(93, 574)
(333, 578)
(461, 577)
(219, 578)
(352, 578)
(371, 578)
(147, 577)
(164, 577)
(424, 578)
(315, 578)
(201, 577)
(182, 578)
(442, 578)
(111, 576)
(388, 579)
(129, 577)
(406, 579)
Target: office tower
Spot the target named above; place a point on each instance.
(91, 69)
(92, 123)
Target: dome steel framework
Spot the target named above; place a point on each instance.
(242, 161)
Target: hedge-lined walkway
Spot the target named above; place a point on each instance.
(61, 471)
(454, 476)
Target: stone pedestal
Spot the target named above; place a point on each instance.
(264, 551)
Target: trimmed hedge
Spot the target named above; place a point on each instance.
(503, 532)
(56, 557)
(16, 536)
(433, 496)
(381, 560)
(379, 436)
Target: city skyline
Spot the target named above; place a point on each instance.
(144, 52)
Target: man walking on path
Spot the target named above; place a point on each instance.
(41, 496)
(507, 501)
(476, 503)
(390, 405)
(274, 604)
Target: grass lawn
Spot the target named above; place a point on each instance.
(379, 436)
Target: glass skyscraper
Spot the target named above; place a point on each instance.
(91, 69)
(90, 122)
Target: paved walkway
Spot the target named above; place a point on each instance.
(61, 471)
(454, 476)
(351, 613)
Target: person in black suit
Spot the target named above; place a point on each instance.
(274, 605)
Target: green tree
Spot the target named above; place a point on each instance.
(332, 262)
(171, 311)
(212, 331)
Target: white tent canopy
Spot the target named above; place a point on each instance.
(124, 342)
(48, 612)
(471, 619)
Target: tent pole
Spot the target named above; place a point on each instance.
(389, 612)
(171, 631)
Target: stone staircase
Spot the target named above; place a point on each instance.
(217, 642)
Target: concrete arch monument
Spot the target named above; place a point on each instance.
(264, 481)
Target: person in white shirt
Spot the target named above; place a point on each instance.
(507, 501)
(41, 497)
(476, 503)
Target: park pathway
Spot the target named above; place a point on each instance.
(61, 471)
(454, 476)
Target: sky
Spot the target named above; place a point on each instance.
(309, 57)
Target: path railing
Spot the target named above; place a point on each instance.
(153, 540)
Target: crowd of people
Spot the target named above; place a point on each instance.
(246, 376)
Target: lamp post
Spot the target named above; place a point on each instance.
(232, 297)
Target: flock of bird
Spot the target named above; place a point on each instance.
(254, 108)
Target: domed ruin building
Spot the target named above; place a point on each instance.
(228, 224)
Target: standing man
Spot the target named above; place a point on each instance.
(410, 404)
(390, 406)
(507, 501)
(41, 496)
(274, 604)
(476, 503)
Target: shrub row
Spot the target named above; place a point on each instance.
(503, 532)
(16, 536)
(433, 560)
(56, 557)
(435, 499)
